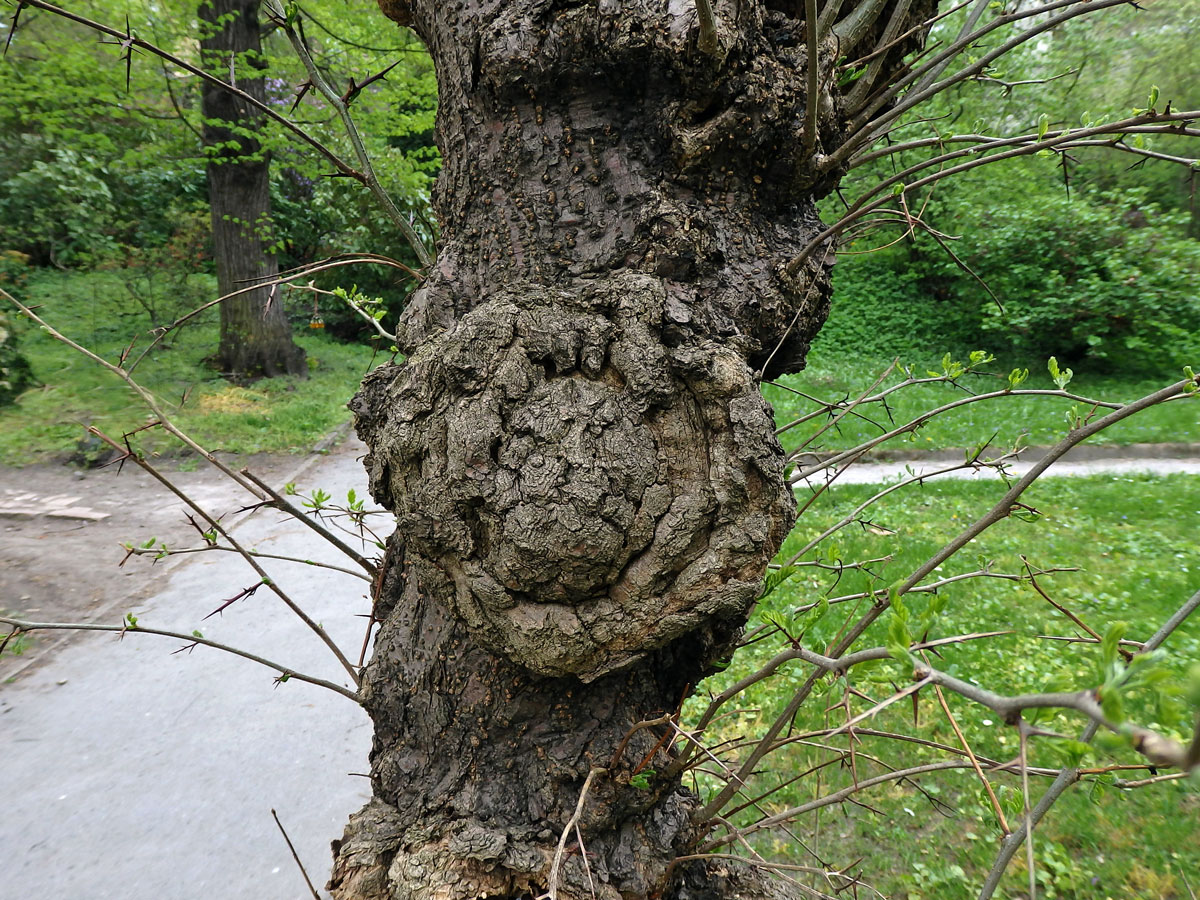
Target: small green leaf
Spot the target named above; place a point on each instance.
(1062, 377)
(1110, 645)
(1193, 686)
(641, 781)
(774, 579)
(1112, 705)
(1072, 753)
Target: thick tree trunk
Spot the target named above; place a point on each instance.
(256, 337)
(585, 476)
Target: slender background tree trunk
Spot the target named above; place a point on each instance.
(256, 338)
(585, 476)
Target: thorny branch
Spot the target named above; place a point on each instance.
(1000, 511)
(220, 529)
(1069, 775)
(286, 673)
(341, 105)
(365, 175)
(246, 480)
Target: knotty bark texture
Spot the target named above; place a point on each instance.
(585, 477)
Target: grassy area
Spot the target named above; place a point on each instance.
(1034, 420)
(101, 311)
(1133, 541)
(95, 309)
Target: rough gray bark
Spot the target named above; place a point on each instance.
(256, 337)
(585, 477)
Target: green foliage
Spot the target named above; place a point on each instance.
(1106, 280)
(881, 303)
(15, 373)
(95, 172)
(1088, 253)
(59, 210)
(1089, 278)
(642, 780)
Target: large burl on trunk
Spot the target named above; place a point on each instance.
(585, 478)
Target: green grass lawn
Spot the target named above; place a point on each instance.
(270, 415)
(1133, 540)
(1033, 420)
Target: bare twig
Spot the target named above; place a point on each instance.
(148, 398)
(997, 513)
(158, 552)
(281, 278)
(341, 106)
(1068, 775)
(279, 502)
(312, 890)
(556, 864)
(217, 527)
(987, 785)
(285, 672)
(813, 86)
(707, 41)
(137, 43)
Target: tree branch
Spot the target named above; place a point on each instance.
(285, 672)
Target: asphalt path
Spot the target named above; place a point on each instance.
(131, 771)
(927, 467)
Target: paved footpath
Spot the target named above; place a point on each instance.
(132, 772)
(1081, 461)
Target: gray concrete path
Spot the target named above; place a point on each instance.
(132, 772)
(1075, 464)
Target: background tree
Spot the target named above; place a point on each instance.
(256, 338)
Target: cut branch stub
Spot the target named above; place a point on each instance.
(576, 491)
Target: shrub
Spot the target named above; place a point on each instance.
(58, 210)
(884, 305)
(15, 374)
(1108, 278)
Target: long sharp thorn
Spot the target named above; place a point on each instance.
(12, 29)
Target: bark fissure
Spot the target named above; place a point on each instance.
(585, 478)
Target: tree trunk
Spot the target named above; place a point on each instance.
(256, 337)
(585, 476)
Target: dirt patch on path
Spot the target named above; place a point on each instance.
(62, 529)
